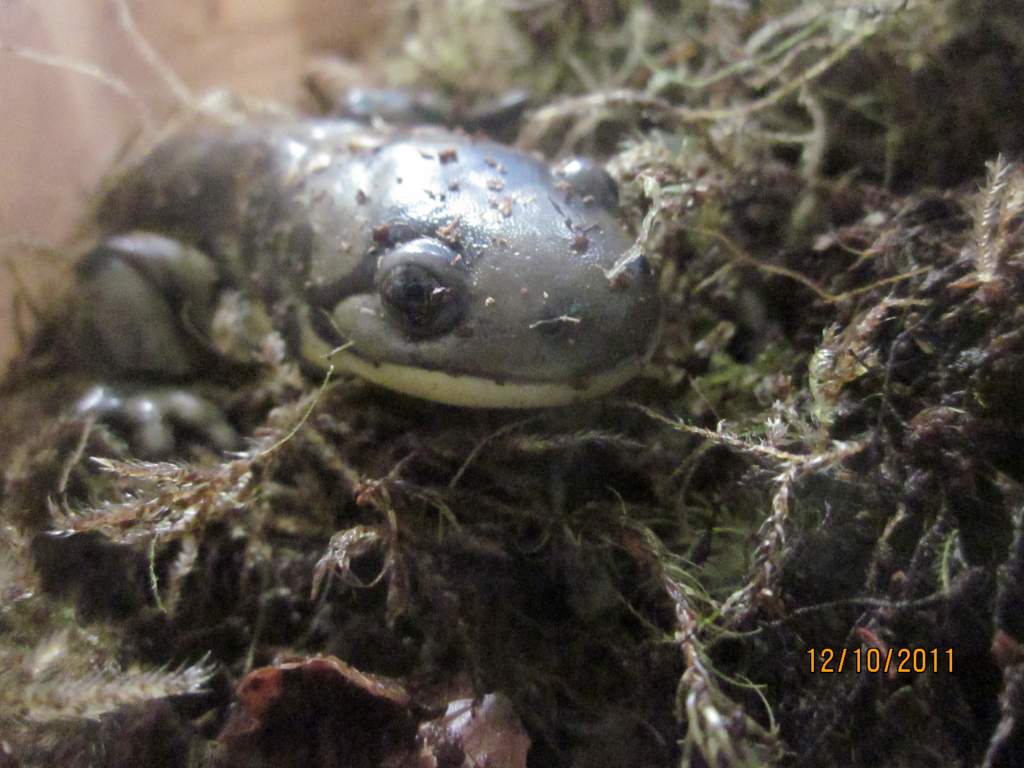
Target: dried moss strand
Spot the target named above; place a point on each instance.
(169, 77)
(723, 438)
(83, 68)
(774, 269)
(77, 454)
(679, 117)
(772, 535)
(302, 420)
(471, 457)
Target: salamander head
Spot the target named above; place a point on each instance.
(497, 281)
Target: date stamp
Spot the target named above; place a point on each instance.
(893, 660)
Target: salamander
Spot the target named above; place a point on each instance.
(438, 264)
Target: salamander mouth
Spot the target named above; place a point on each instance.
(471, 391)
(471, 388)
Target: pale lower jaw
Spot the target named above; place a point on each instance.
(478, 392)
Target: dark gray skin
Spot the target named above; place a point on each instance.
(446, 267)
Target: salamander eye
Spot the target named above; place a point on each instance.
(420, 300)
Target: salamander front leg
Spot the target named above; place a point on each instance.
(142, 317)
